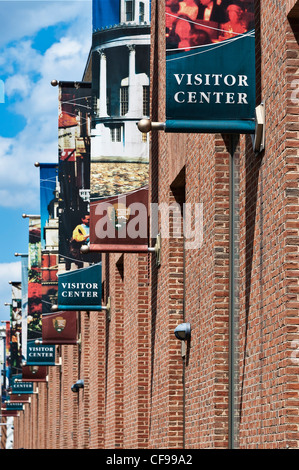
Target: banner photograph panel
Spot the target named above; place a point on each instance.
(120, 223)
(210, 60)
(16, 328)
(60, 328)
(74, 173)
(49, 200)
(34, 280)
(120, 97)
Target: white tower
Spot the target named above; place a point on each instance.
(120, 84)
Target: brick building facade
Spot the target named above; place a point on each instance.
(142, 390)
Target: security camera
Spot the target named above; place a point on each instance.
(79, 384)
(183, 331)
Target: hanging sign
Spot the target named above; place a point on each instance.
(81, 289)
(49, 281)
(9, 413)
(19, 387)
(16, 328)
(14, 406)
(60, 328)
(34, 373)
(34, 280)
(74, 173)
(119, 162)
(120, 224)
(40, 355)
(19, 398)
(24, 284)
(49, 205)
(210, 67)
(49, 233)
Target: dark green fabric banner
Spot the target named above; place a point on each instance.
(81, 289)
(19, 387)
(210, 67)
(14, 406)
(40, 355)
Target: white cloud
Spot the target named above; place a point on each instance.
(8, 272)
(27, 73)
(24, 198)
(25, 18)
(17, 84)
(21, 56)
(28, 93)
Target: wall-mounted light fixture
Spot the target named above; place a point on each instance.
(76, 387)
(183, 332)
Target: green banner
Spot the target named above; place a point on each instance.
(19, 387)
(210, 67)
(14, 406)
(40, 355)
(81, 289)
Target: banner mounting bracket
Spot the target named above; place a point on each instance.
(157, 249)
(259, 135)
(108, 308)
(146, 125)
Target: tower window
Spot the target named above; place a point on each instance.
(129, 10)
(124, 100)
(146, 93)
(109, 101)
(115, 133)
(141, 12)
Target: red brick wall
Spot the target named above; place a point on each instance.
(291, 229)
(206, 273)
(136, 340)
(83, 396)
(268, 221)
(96, 379)
(113, 375)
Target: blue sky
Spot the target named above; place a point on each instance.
(40, 40)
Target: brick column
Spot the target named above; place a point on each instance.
(136, 339)
(114, 376)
